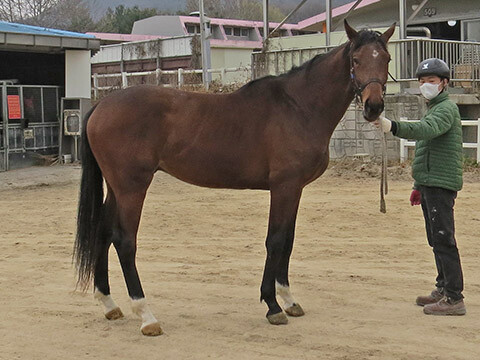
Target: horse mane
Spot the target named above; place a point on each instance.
(365, 36)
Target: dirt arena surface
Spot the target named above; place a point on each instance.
(355, 271)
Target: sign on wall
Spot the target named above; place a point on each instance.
(14, 109)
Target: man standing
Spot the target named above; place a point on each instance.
(437, 171)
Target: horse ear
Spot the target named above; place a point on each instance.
(351, 32)
(388, 34)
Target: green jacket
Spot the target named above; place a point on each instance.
(439, 151)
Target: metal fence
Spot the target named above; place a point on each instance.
(34, 128)
(405, 144)
(462, 57)
(167, 78)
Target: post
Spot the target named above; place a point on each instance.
(403, 153)
(402, 4)
(180, 78)
(205, 42)
(158, 75)
(95, 86)
(223, 74)
(266, 27)
(124, 80)
(478, 140)
(5, 127)
(328, 21)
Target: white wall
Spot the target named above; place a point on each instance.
(232, 58)
(78, 73)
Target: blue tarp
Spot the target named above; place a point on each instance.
(37, 30)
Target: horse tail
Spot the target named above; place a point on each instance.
(88, 239)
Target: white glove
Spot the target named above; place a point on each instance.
(383, 123)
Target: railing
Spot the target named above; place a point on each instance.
(404, 144)
(44, 136)
(158, 73)
(462, 57)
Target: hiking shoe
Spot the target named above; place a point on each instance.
(446, 306)
(434, 297)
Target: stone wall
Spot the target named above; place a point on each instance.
(355, 137)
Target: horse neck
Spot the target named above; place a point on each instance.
(324, 89)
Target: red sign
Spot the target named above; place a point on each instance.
(14, 109)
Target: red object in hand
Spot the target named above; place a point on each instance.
(415, 197)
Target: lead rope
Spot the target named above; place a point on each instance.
(383, 180)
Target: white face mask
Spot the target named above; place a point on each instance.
(429, 91)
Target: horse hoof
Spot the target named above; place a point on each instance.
(152, 329)
(277, 319)
(295, 310)
(114, 314)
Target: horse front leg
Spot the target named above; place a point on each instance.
(284, 201)
(282, 284)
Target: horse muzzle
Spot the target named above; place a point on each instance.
(372, 110)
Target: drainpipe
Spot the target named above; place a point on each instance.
(328, 22)
(423, 29)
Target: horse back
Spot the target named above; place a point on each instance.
(204, 139)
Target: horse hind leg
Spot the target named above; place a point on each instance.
(102, 287)
(129, 207)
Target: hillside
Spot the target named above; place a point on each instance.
(310, 8)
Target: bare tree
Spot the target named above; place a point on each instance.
(213, 8)
(20, 10)
(71, 15)
(235, 9)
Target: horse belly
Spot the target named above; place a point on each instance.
(216, 170)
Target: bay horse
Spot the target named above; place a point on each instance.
(271, 134)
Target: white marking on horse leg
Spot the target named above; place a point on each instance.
(106, 300)
(141, 309)
(284, 292)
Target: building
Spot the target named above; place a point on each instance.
(442, 28)
(38, 68)
(439, 19)
(168, 43)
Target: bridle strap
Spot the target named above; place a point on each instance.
(358, 88)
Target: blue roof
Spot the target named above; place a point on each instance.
(37, 30)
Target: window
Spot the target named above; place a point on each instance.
(193, 29)
(228, 30)
(245, 32)
(236, 31)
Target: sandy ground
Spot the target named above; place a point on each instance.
(355, 271)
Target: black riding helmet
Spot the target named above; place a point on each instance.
(433, 66)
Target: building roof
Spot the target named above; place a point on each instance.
(20, 37)
(315, 23)
(37, 30)
(235, 22)
(111, 38)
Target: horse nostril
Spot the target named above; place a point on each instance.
(374, 107)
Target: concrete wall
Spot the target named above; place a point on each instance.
(78, 73)
(232, 58)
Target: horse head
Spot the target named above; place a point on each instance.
(369, 60)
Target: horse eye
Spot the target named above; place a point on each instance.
(355, 61)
